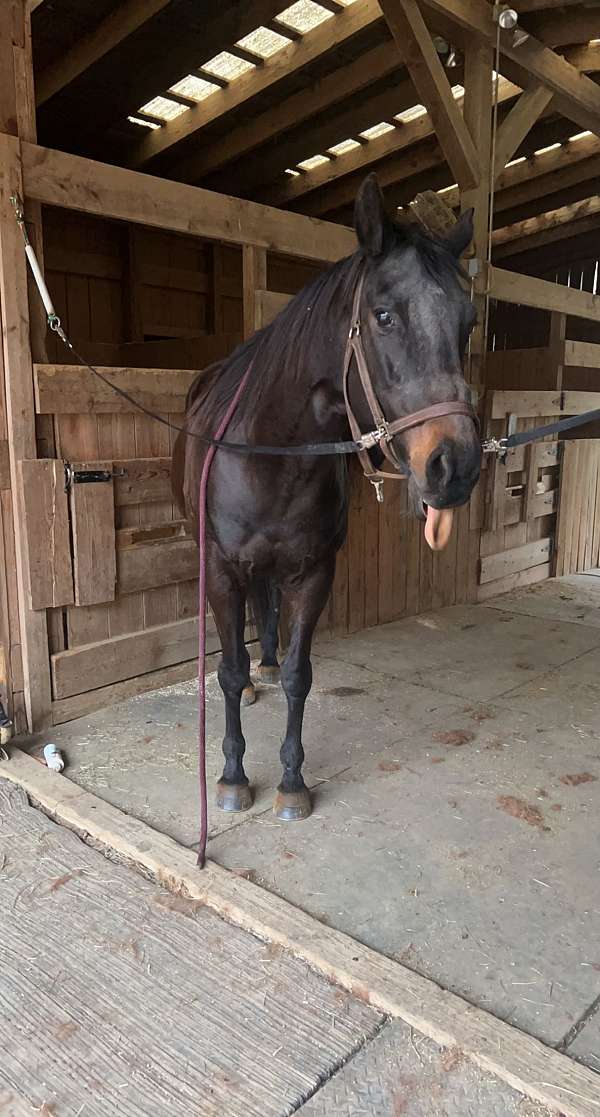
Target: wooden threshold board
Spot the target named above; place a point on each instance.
(516, 1058)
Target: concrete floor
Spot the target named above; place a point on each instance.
(455, 761)
(118, 999)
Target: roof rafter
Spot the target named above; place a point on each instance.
(348, 22)
(518, 123)
(580, 97)
(121, 23)
(410, 32)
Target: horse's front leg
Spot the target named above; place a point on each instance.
(306, 602)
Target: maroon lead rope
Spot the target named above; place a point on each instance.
(221, 429)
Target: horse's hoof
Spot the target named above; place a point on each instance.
(249, 695)
(292, 806)
(234, 797)
(267, 673)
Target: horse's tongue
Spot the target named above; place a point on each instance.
(438, 527)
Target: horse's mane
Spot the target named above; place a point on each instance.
(281, 347)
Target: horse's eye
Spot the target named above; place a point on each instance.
(384, 319)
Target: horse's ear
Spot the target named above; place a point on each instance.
(370, 220)
(460, 235)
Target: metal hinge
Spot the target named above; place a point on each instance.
(89, 476)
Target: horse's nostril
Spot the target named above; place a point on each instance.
(439, 467)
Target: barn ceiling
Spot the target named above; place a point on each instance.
(293, 104)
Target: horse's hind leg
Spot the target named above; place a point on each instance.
(306, 602)
(228, 603)
(268, 668)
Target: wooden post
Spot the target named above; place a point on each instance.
(254, 279)
(478, 118)
(558, 333)
(29, 645)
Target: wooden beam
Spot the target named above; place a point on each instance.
(289, 59)
(254, 279)
(328, 91)
(59, 179)
(542, 174)
(21, 425)
(525, 290)
(362, 158)
(580, 97)
(558, 29)
(431, 82)
(519, 123)
(526, 249)
(118, 25)
(565, 214)
(478, 119)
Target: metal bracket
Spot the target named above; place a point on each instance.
(494, 446)
(89, 476)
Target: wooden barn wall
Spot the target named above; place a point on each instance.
(135, 297)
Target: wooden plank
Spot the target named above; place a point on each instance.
(529, 291)
(144, 480)
(513, 560)
(145, 566)
(70, 389)
(93, 527)
(526, 1064)
(564, 508)
(410, 32)
(582, 354)
(268, 304)
(46, 526)
(124, 657)
(20, 424)
(117, 25)
(70, 181)
(551, 219)
(478, 120)
(66, 709)
(519, 121)
(514, 581)
(254, 278)
(524, 404)
(4, 464)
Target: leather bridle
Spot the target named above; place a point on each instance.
(385, 431)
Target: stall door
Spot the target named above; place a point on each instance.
(578, 530)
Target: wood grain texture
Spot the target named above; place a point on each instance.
(72, 390)
(252, 1039)
(122, 657)
(47, 538)
(93, 528)
(524, 1063)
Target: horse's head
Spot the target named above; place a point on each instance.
(416, 317)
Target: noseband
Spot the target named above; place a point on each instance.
(384, 431)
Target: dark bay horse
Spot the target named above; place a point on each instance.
(275, 524)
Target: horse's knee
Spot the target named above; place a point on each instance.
(296, 679)
(233, 677)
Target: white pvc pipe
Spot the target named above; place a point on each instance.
(41, 282)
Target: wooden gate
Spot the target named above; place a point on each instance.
(109, 558)
(578, 529)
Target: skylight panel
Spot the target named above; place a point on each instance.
(163, 108)
(343, 147)
(446, 189)
(545, 150)
(292, 173)
(579, 136)
(514, 162)
(458, 91)
(143, 123)
(314, 161)
(413, 113)
(197, 89)
(304, 15)
(263, 42)
(226, 65)
(377, 130)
